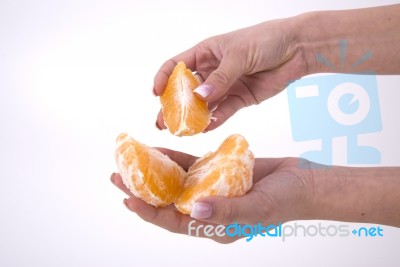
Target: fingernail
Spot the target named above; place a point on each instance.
(203, 90)
(201, 210)
(112, 177)
(154, 91)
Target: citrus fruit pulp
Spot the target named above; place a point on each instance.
(226, 172)
(147, 173)
(159, 181)
(184, 113)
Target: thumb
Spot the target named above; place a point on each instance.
(224, 210)
(220, 80)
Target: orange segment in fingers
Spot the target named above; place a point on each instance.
(183, 112)
(147, 173)
(226, 172)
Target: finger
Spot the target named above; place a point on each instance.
(161, 77)
(226, 109)
(116, 179)
(221, 79)
(198, 77)
(168, 218)
(184, 160)
(264, 167)
(172, 220)
(160, 121)
(246, 209)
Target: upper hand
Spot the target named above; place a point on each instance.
(240, 68)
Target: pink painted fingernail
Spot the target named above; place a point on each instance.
(201, 210)
(203, 90)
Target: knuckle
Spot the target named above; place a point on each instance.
(223, 114)
(179, 228)
(220, 76)
(264, 212)
(229, 214)
(256, 99)
(203, 45)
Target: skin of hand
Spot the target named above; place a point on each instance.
(286, 189)
(247, 66)
(282, 191)
(238, 70)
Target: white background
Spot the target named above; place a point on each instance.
(74, 74)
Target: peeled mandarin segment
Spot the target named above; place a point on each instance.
(147, 173)
(226, 172)
(184, 113)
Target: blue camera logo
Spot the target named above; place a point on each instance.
(329, 106)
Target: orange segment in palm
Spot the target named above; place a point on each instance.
(184, 113)
(226, 172)
(159, 181)
(147, 173)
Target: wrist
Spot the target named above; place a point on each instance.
(350, 41)
(368, 195)
(314, 37)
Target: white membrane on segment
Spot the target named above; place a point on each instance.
(127, 172)
(184, 99)
(155, 201)
(221, 186)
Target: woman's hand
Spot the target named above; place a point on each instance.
(250, 65)
(282, 191)
(285, 189)
(240, 68)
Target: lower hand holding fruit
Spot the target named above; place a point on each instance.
(282, 191)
